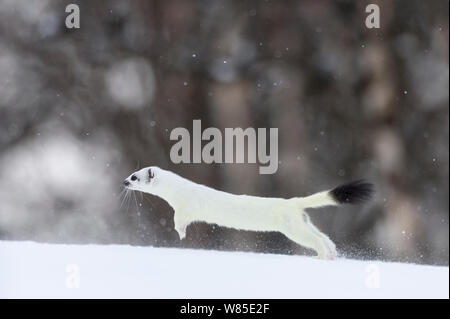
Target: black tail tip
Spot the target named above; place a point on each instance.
(353, 193)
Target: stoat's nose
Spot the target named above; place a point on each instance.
(126, 183)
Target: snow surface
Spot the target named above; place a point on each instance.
(34, 270)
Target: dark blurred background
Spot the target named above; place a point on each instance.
(80, 109)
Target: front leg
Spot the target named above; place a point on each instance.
(180, 226)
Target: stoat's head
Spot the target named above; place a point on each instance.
(144, 180)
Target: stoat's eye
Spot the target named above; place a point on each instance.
(134, 177)
(150, 174)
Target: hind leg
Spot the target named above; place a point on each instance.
(299, 229)
(331, 247)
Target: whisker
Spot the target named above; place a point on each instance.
(137, 211)
(128, 200)
(123, 194)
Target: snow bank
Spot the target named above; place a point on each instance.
(93, 271)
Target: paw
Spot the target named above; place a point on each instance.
(330, 250)
(329, 253)
(327, 256)
(181, 233)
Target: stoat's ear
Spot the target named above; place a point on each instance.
(150, 174)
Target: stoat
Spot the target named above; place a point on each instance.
(194, 202)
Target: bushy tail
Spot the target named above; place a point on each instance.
(352, 193)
